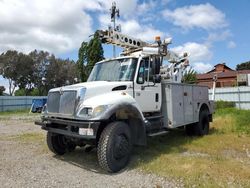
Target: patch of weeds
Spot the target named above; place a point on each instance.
(18, 115)
(30, 139)
(25, 111)
(237, 120)
(215, 160)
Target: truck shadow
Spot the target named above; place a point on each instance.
(82, 159)
(173, 142)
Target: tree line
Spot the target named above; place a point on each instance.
(35, 73)
(39, 71)
(243, 66)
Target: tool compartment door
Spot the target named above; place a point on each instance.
(174, 100)
(188, 104)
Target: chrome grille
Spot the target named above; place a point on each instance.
(63, 103)
(53, 102)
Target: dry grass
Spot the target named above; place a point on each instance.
(35, 140)
(22, 115)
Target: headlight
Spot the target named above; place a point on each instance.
(99, 110)
(88, 112)
(85, 113)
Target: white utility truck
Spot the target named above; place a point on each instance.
(126, 99)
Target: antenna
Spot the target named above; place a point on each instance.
(115, 12)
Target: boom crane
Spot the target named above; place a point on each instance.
(172, 72)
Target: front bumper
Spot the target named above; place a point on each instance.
(69, 127)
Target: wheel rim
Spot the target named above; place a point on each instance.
(121, 148)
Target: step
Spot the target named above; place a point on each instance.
(158, 133)
(154, 117)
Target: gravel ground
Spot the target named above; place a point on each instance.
(25, 162)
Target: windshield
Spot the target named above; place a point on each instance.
(114, 70)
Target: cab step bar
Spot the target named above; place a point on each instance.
(158, 133)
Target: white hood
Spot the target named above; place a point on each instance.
(94, 88)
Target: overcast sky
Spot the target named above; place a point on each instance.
(211, 31)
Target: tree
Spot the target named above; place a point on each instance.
(94, 52)
(82, 58)
(51, 72)
(65, 74)
(18, 68)
(2, 89)
(42, 62)
(88, 54)
(25, 69)
(23, 92)
(9, 68)
(243, 66)
(37, 72)
(190, 76)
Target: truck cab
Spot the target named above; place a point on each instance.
(124, 100)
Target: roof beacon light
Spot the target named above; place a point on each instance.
(157, 38)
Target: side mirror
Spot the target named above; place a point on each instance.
(156, 66)
(157, 78)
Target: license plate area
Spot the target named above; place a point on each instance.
(86, 131)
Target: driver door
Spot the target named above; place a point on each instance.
(147, 94)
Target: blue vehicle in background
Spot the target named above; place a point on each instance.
(37, 105)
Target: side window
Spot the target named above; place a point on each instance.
(141, 73)
(145, 73)
(148, 70)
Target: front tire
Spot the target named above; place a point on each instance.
(114, 147)
(58, 144)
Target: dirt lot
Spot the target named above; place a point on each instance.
(220, 159)
(25, 161)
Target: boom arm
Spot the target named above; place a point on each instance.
(118, 39)
(172, 72)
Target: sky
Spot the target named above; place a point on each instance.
(211, 31)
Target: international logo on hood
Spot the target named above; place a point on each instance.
(61, 91)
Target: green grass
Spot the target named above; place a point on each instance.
(240, 119)
(224, 104)
(25, 111)
(18, 114)
(220, 159)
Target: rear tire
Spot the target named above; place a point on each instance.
(58, 144)
(202, 127)
(114, 147)
(190, 129)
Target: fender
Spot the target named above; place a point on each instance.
(124, 108)
(210, 107)
(129, 112)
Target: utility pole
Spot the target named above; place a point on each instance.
(114, 12)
